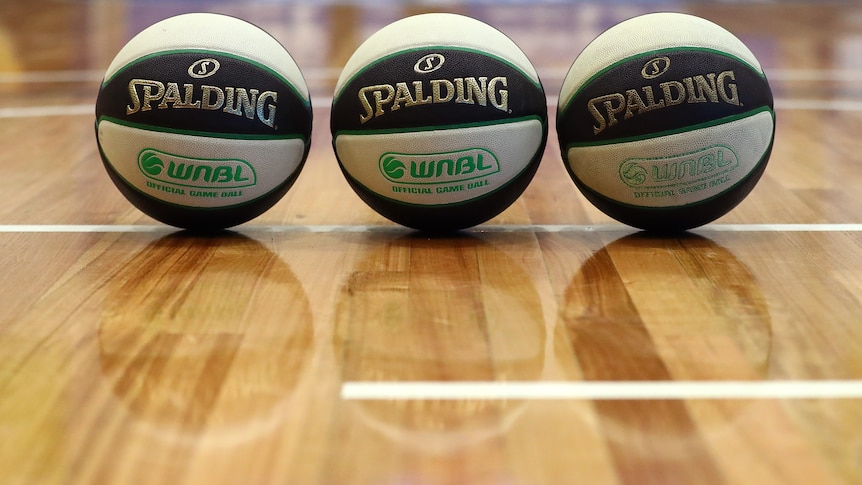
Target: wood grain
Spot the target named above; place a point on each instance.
(134, 353)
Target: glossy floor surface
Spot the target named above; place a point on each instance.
(322, 344)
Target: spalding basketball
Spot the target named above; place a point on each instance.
(666, 121)
(203, 121)
(439, 121)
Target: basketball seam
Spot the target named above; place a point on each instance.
(686, 129)
(289, 84)
(202, 134)
(537, 83)
(592, 78)
(441, 127)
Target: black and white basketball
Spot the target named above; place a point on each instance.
(666, 121)
(439, 122)
(203, 121)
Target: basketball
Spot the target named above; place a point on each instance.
(203, 121)
(665, 121)
(439, 121)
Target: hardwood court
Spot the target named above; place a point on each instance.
(320, 344)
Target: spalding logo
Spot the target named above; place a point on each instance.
(429, 63)
(655, 67)
(204, 68)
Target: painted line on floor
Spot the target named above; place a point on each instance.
(350, 228)
(595, 390)
(320, 74)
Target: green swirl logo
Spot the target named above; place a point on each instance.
(151, 164)
(392, 167)
(633, 174)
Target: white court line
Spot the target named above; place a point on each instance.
(779, 228)
(350, 228)
(839, 75)
(785, 75)
(324, 102)
(818, 105)
(320, 74)
(48, 111)
(706, 228)
(77, 228)
(602, 390)
(46, 77)
(95, 76)
(782, 104)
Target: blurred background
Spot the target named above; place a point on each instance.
(321, 35)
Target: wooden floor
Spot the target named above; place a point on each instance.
(321, 344)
